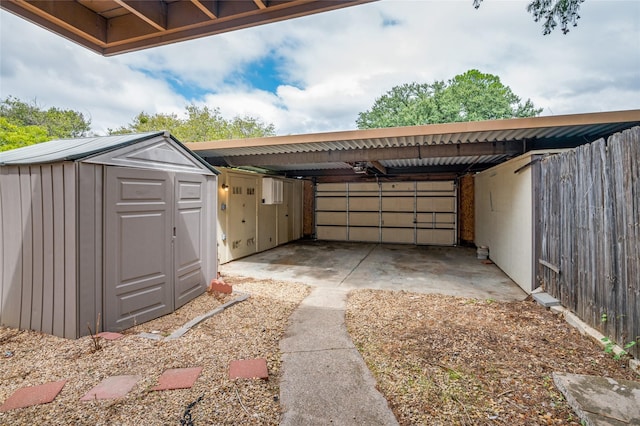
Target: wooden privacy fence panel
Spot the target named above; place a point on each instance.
(589, 233)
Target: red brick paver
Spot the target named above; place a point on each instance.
(109, 335)
(178, 378)
(112, 387)
(33, 395)
(248, 369)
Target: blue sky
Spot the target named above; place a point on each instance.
(316, 73)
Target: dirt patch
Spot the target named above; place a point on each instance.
(250, 329)
(445, 360)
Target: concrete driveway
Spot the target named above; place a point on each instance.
(422, 269)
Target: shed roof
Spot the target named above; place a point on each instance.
(85, 148)
(434, 148)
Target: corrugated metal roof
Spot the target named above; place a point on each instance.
(449, 145)
(70, 149)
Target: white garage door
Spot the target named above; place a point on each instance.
(387, 212)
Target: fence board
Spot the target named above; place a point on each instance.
(590, 226)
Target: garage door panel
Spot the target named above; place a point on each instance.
(436, 237)
(332, 233)
(398, 235)
(331, 203)
(398, 219)
(364, 204)
(398, 204)
(329, 187)
(398, 186)
(364, 219)
(436, 186)
(363, 187)
(368, 234)
(436, 204)
(331, 218)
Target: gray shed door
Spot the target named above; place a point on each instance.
(388, 212)
(189, 241)
(138, 257)
(154, 244)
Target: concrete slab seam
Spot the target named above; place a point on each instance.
(181, 331)
(358, 265)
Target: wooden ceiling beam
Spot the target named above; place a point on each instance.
(261, 4)
(76, 20)
(208, 7)
(153, 12)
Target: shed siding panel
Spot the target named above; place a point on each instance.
(27, 247)
(11, 235)
(47, 247)
(38, 254)
(70, 310)
(89, 220)
(58, 249)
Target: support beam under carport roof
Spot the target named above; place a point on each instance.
(377, 154)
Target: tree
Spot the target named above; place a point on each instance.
(201, 124)
(552, 11)
(59, 123)
(471, 96)
(13, 136)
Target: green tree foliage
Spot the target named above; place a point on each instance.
(59, 123)
(550, 12)
(13, 136)
(471, 96)
(200, 124)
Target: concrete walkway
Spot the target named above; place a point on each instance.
(325, 380)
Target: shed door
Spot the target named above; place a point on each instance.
(189, 237)
(138, 258)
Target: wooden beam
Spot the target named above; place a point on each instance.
(376, 154)
(379, 167)
(208, 7)
(153, 12)
(226, 21)
(260, 4)
(70, 19)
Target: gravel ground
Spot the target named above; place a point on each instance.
(439, 360)
(442, 360)
(250, 329)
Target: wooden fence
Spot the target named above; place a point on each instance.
(588, 238)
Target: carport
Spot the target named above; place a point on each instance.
(416, 185)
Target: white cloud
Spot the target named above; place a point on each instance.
(333, 65)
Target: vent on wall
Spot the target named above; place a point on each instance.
(271, 191)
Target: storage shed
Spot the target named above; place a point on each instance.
(116, 228)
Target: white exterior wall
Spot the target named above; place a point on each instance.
(504, 218)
